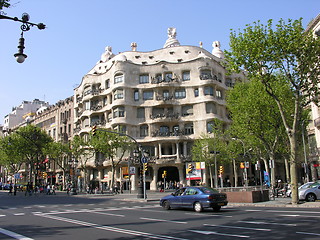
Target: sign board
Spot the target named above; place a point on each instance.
(132, 170)
(144, 159)
(195, 174)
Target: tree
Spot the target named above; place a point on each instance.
(210, 148)
(257, 121)
(32, 142)
(110, 146)
(60, 153)
(280, 53)
(4, 4)
(81, 150)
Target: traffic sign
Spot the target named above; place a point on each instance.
(144, 159)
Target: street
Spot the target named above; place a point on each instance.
(82, 217)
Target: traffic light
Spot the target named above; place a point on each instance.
(165, 174)
(190, 168)
(221, 170)
(94, 128)
(145, 167)
(242, 165)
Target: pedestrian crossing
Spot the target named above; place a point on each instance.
(66, 208)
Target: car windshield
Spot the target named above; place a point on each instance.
(208, 190)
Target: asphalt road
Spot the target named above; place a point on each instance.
(76, 217)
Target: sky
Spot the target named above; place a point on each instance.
(79, 30)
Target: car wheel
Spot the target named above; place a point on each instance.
(166, 205)
(311, 197)
(197, 207)
(217, 208)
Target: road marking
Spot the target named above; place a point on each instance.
(27, 207)
(14, 235)
(162, 220)
(252, 210)
(216, 233)
(111, 229)
(268, 223)
(2, 215)
(306, 233)
(109, 214)
(19, 214)
(247, 228)
(299, 212)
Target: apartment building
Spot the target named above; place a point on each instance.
(313, 140)
(165, 99)
(21, 113)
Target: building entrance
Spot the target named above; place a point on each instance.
(171, 179)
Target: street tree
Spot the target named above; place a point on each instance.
(82, 152)
(10, 156)
(59, 152)
(257, 121)
(284, 52)
(211, 149)
(110, 147)
(32, 142)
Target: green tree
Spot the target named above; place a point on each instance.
(211, 149)
(32, 143)
(273, 54)
(112, 147)
(82, 152)
(59, 153)
(257, 121)
(4, 4)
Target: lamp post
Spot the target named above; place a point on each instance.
(304, 152)
(20, 56)
(73, 162)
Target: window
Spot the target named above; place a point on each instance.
(186, 76)
(118, 112)
(205, 74)
(188, 129)
(196, 92)
(120, 128)
(165, 94)
(140, 112)
(208, 91)
(180, 93)
(147, 95)
(118, 94)
(136, 95)
(107, 83)
(187, 110)
(168, 77)
(210, 127)
(211, 108)
(219, 94)
(219, 77)
(118, 78)
(144, 130)
(164, 131)
(144, 78)
(87, 105)
(176, 130)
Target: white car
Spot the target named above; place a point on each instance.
(309, 192)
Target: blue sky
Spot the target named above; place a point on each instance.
(78, 32)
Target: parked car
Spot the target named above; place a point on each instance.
(196, 198)
(309, 192)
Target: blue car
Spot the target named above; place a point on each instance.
(196, 198)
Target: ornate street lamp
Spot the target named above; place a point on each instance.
(20, 56)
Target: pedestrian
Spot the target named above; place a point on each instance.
(48, 190)
(53, 188)
(10, 189)
(15, 190)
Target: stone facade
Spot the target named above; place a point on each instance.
(165, 99)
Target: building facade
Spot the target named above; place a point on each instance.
(313, 140)
(165, 99)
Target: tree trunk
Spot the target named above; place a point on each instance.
(286, 164)
(211, 177)
(293, 169)
(235, 172)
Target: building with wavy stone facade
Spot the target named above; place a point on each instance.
(165, 99)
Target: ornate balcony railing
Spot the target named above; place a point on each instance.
(165, 116)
